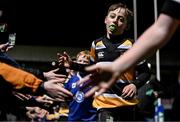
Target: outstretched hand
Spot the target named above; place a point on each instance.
(5, 47)
(56, 90)
(129, 91)
(52, 74)
(103, 76)
(64, 59)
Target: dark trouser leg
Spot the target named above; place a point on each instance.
(126, 113)
(105, 115)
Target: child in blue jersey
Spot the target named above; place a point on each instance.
(80, 110)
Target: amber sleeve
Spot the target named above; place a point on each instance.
(18, 78)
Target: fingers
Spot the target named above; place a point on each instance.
(95, 91)
(89, 83)
(48, 101)
(54, 87)
(65, 54)
(100, 92)
(30, 108)
(61, 59)
(63, 94)
(60, 76)
(84, 79)
(103, 87)
(91, 92)
(9, 47)
(128, 91)
(3, 47)
(66, 92)
(54, 70)
(62, 91)
(61, 80)
(21, 96)
(46, 97)
(111, 81)
(127, 94)
(59, 99)
(97, 82)
(58, 80)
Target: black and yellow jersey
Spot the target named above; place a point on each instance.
(105, 50)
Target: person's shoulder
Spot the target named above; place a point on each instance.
(129, 40)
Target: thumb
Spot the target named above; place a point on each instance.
(8, 48)
(55, 70)
(55, 81)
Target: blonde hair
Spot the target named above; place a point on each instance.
(86, 54)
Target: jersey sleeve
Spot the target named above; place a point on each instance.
(18, 78)
(172, 8)
(92, 51)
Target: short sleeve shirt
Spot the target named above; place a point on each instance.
(172, 8)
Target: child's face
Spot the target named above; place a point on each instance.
(83, 59)
(116, 21)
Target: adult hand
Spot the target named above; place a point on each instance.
(5, 47)
(52, 74)
(55, 89)
(36, 113)
(44, 99)
(21, 96)
(103, 75)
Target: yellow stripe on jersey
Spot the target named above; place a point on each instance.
(127, 43)
(112, 100)
(99, 44)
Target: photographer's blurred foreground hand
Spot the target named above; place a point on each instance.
(56, 90)
(105, 74)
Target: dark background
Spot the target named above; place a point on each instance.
(69, 22)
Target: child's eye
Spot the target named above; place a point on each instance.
(112, 16)
(121, 19)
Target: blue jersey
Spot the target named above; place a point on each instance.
(79, 111)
